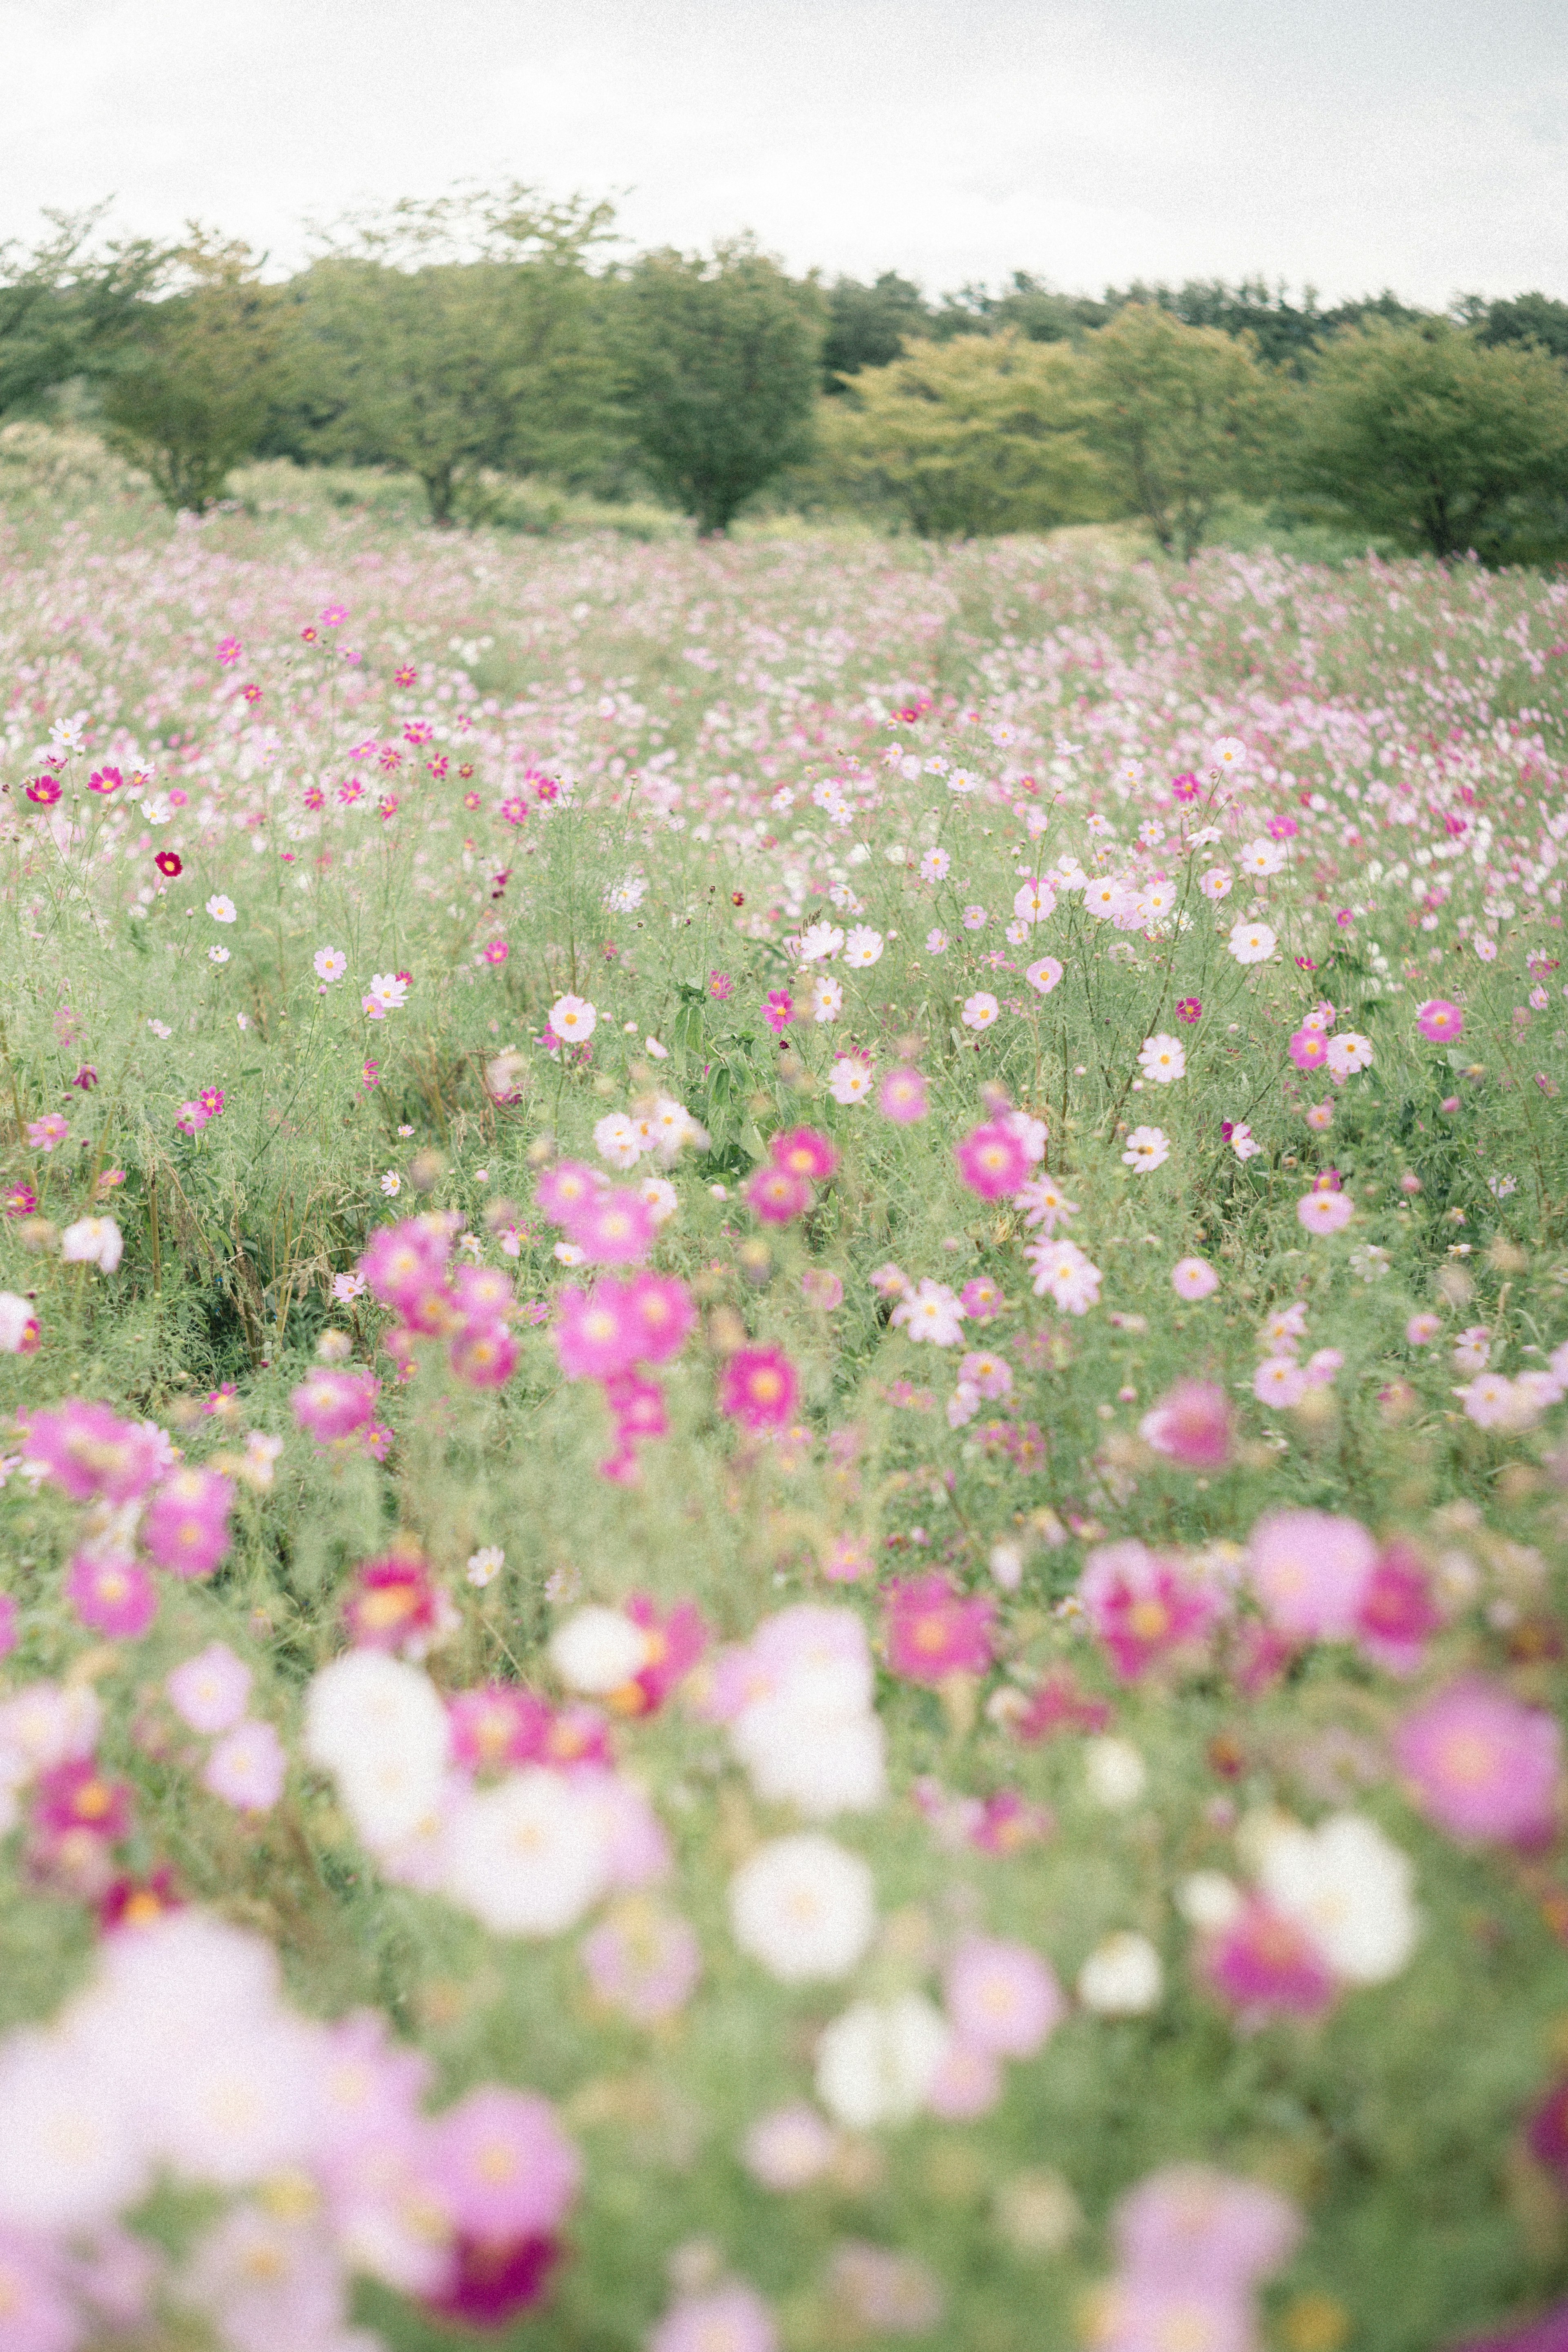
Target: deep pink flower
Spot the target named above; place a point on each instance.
(599, 1332)
(1142, 1606)
(1482, 1766)
(1439, 1021)
(483, 1355)
(1264, 1965)
(758, 1388)
(186, 1524)
(1192, 1424)
(78, 1797)
(401, 1260)
(89, 1452)
(661, 1313)
(777, 1195)
(1059, 1706)
(333, 1404)
(44, 791)
(565, 1189)
(992, 1160)
(613, 1227)
(779, 1010)
(112, 1594)
(1397, 1611)
(499, 1725)
(1190, 1009)
(393, 1602)
(638, 1405)
(804, 1152)
(1308, 1049)
(931, 1630)
(677, 1639)
(490, 2280)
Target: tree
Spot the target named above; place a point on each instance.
(1428, 437)
(978, 435)
(720, 362)
(193, 393)
(868, 325)
(448, 337)
(1182, 416)
(1027, 307)
(67, 304)
(1528, 319)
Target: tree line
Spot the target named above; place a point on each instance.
(486, 337)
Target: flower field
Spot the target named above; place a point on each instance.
(786, 1457)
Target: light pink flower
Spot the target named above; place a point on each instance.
(1482, 1766)
(210, 1691)
(1002, 1996)
(1310, 1571)
(1191, 1424)
(1194, 1277)
(1324, 1212)
(246, 1767)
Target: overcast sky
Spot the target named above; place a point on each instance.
(1350, 145)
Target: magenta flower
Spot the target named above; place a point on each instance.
(805, 1152)
(112, 1594)
(77, 1797)
(661, 1314)
(1190, 1009)
(992, 1160)
(758, 1388)
(1482, 1766)
(779, 1010)
(598, 1332)
(488, 2281)
(1142, 1606)
(186, 1524)
(1397, 1611)
(90, 1453)
(483, 1355)
(902, 1096)
(563, 1191)
(1263, 1965)
(1191, 1423)
(393, 1602)
(1439, 1021)
(401, 1260)
(638, 1406)
(777, 1195)
(333, 1404)
(1308, 1049)
(1310, 1571)
(931, 1630)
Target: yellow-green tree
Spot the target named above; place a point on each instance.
(1183, 417)
(200, 375)
(978, 435)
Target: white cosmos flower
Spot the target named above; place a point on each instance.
(1263, 856)
(849, 1080)
(573, 1019)
(1147, 1148)
(529, 1856)
(69, 2156)
(876, 2062)
(1348, 1052)
(618, 1140)
(826, 999)
(92, 1241)
(1349, 1887)
(1122, 1977)
(820, 943)
(221, 908)
(597, 1651)
(378, 1727)
(863, 945)
(1162, 1059)
(804, 1907)
(1252, 942)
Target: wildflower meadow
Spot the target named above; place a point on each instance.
(786, 1440)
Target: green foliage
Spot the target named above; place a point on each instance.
(1027, 307)
(972, 438)
(444, 338)
(194, 393)
(1529, 318)
(1182, 416)
(66, 307)
(1441, 442)
(868, 325)
(720, 357)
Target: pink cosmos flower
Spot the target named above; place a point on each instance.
(968, 2083)
(1194, 1277)
(42, 1134)
(392, 1601)
(209, 1691)
(779, 1010)
(902, 1096)
(1198, 2226)
(1308, 1049)
(1263, 1965)
(731, 2319)
(248, 1768)
(87, 1450)
(675, 1639)
(186, 1524)
(399, 1261)
(644, 1961)
(1324, 1212)
(598, 1332)
(804, 1152)
(981, 1299)
(1439, 1021)
(613, 1227)
(789, 2147)
(1422, 1329)
(659, 1309)
(333, 1404)
(565, 1189)
(1191, 1423)
(1142, 1606)
(78, 1797)
(502, 2164)
(931, 1630)
(822, 1289)
(1310, 1571)
(1279, 1380)
(112, 1594)
(638, 1406)
(496, 1726)
(758, 1388)
(776, 1195)
(1482, 1766)
(1002, 1997)
(992, 1160)
(848, 1560)
(1397, 1611)
(483, 1355)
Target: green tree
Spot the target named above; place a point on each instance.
(1183, 417)
(455, 336)
(1026, 305)
(67, 304)
(720, 363)
(1528, 319)
(974, 437)
(868, 325)
(197, 381)
(1428, 437)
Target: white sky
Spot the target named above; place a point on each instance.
(1354, 144)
